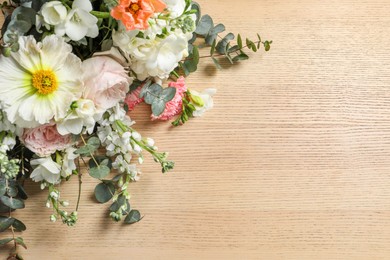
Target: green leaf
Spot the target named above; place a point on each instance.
(21, 192)
(218, 29)
(216, 63)
(153, 92)
(267, 45)
(158, 107)
(5, 241)
(5, 223)
(12, 202)
(145, 88)
(104, 192)
(12, 191)
(212, 49)
(168, 94)
(94, 142)
(258, 37)
(99, 172)
(205, 25)
(222, 44)
(118, 203)
(239, 41)
(19, 225)
(20, 241)
(240, 57)
(195, 6)
(133, 217)
(2, 186)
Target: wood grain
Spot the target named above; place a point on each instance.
(293, 162)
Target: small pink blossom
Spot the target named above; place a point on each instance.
(133, 99)
(175, 106)
(45, 139)
(106, 81)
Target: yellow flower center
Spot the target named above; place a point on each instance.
(44, 81)
(134, 8)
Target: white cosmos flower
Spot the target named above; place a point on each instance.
(46, 170)
(40, 81)
(79, 22)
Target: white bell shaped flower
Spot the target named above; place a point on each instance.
(79, 22)
(46, 170)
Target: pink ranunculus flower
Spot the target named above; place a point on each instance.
(133, 99)
(175, 106)
(105, 81)
(45, 140)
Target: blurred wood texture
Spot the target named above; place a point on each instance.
(293, 162)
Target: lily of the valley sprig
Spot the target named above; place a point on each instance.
(72, 72)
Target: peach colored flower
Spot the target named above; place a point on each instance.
(175, 106)
(133, 99)
(106, 81)
(45, 140)
(134, 14)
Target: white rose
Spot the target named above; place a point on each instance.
(160, 57)
(53, 12)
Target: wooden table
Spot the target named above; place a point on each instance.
(293, 162)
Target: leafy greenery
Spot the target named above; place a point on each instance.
(157, 96)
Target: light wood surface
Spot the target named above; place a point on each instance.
(293, 162)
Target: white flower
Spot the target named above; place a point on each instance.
(160, 57)
(40, 81)
(84, 114)
(68, 163)
(176, 7)
(54, 12)
(46, 170)
(79, 22)
(206, 97)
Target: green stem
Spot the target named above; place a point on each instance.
(103, 15)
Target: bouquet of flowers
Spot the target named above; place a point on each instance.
(71, 72)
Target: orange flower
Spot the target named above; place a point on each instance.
(134, 14)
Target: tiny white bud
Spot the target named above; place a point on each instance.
(48, 205)
(126, 135)
(43, 186)
(65, 203)
(127, 157)
(136, 136)
(137, 148)
(53, 218)
(150, 142)
(140, 160)
(54, 195)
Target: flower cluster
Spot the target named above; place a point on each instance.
(72, 72)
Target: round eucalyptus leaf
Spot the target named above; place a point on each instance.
(12, 202)
(19, 225)
(5, 223)
(104, 192)
(168, 94)
(158, 107)
(99, 172)
(133, 217)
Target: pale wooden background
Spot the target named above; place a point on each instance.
(293, 162)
